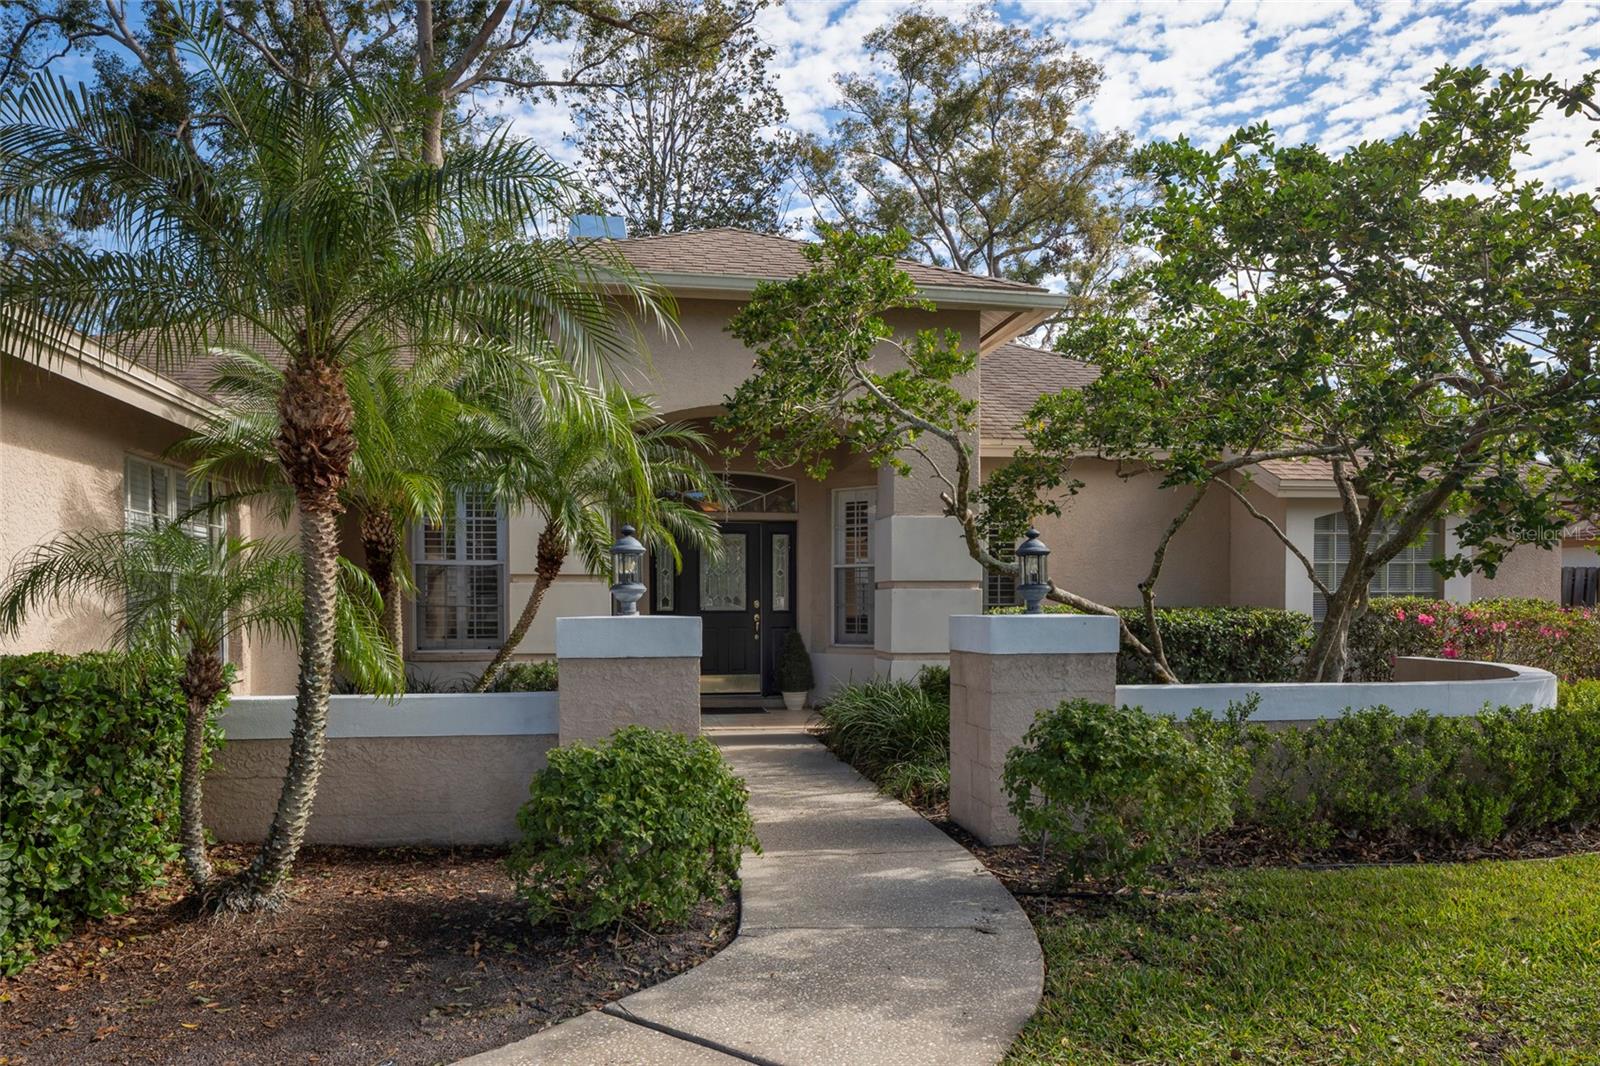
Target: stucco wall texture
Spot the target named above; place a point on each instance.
(600, 696)
(62, 452)
(383, 791)
(1527, 570)
(994, 699)
(1101, 543)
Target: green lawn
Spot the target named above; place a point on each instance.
(1490, 962)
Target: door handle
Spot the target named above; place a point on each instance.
(758, 619)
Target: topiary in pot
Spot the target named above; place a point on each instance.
(794, 671)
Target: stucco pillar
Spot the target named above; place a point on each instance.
(618, 671)
(924, 574)
(1005, 669)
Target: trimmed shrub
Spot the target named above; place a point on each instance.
(1377, 775)
(1214, 645)
(90, 752)
(1113, 790)
(527, 677)
(895, 732)
(1538, 633)
(641, 827)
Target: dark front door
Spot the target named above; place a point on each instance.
(746, 603)
(727, 596)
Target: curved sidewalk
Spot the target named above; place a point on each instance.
(866, 937)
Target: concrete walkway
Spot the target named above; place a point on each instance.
(866, 937)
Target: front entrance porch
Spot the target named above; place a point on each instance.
(745, 597)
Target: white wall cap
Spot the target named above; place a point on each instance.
(1293, 701)
(640, 636)
(421, 714)
(1034, 634)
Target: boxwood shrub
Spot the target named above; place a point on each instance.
(1214, 645)
(90, 750)
(640, 827)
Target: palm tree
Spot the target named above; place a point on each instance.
(184, 595)
(411, 432)
(306, 221)
(585, 477)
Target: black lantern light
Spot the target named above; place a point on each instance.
(1033, 571)
(627, 569)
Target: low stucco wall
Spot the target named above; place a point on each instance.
(1449, 687)
(425, 769)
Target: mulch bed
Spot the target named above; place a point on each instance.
(403, 956)
(1028, 874)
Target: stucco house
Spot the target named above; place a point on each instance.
(861, 563)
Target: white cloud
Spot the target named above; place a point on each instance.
(1330, 73)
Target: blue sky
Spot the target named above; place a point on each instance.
(1334, 73)
(1331, 72)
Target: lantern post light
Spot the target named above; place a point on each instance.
(1033, 570)
(627, 569)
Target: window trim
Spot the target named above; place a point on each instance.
(836, 565)
(415, 639)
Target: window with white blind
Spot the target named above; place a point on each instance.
(1410, 573)
(854, 579)
(460, 572)
(155, 494)
(1000, 590)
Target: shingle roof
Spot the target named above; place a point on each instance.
(731, 252)
(1013, 376)
(1298, 469)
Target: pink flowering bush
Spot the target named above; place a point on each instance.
(1563, 640)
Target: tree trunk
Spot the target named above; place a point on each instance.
(203, 680)
(1330, 652)
(380, 541)
(315, 443)
(552, 553)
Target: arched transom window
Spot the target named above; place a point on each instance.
(747, 494)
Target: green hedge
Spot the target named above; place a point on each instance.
(1113, 790)
(1563, 640)
(1214, 645)
(1376, 774)
(90, 751)
(527, 677)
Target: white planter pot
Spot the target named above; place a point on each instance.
(794, 701)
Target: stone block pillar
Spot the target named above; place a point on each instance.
(1005, 669)
(619, 671)
(924, 574)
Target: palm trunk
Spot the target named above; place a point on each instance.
(203, 681)
(260, 886)
(380, 541)
(316, 441)
(552, 553)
